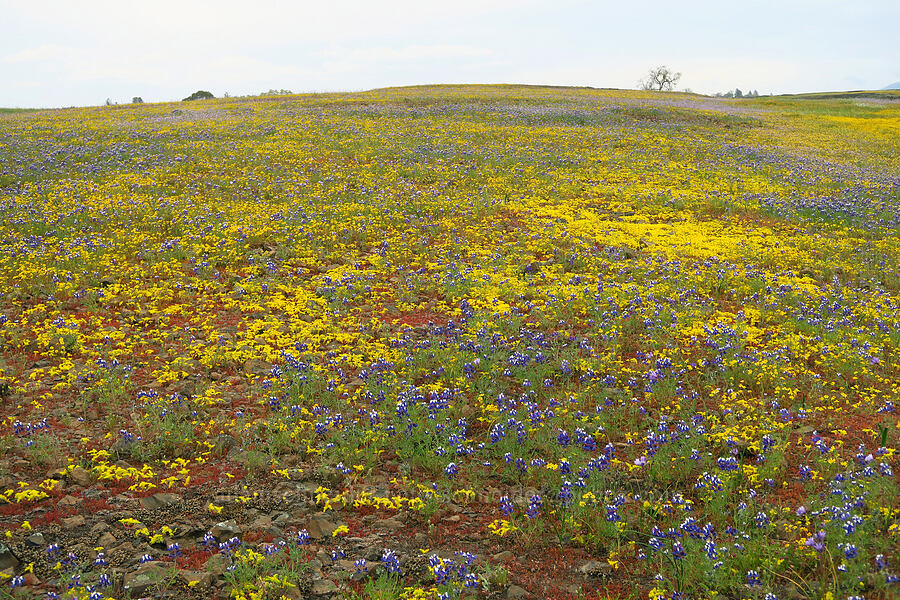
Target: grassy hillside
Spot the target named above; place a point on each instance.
(444, 341)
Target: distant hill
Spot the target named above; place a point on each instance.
(886, 93)
(893, 86)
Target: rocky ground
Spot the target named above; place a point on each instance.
(188, 544)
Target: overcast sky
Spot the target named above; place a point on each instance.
(81, 52)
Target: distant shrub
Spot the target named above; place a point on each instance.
(137, 100)
(199, 95)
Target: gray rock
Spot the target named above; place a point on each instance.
(391, 524)
(100, 527)
(320, 527)
(261, 522)
(81, 476)
(157, 501)
(595, 568)
(345, 565)
(504, 556)
(37, 540)
(7, 558)
(203, 579)
(69, 501)
(226, 529)
(515, 591)
(216, 564)
(73, 522)
(290, 592)
(151, 574)
(323, 588)
(93, 494)
(373, 554)
(315, 566)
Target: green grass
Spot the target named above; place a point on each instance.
(9, 111)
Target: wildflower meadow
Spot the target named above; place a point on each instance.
(452, 341)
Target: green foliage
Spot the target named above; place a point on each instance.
(199, 95)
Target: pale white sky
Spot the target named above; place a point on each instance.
(80, 52)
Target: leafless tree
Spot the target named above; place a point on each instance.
(661, 79)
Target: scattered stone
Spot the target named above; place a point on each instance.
(100, 527)
(197, 579)
(345, 565)
(157, 501)
(323, 588)
(374, 554)
(69, 501)
(138, 582)
(7, 558)
(315, 568)
(226, 529)
(261, 522)
(291, 592)
(257, 367)
(595, 568)
(216, 565)
(81, 476)
(126, 549)
(391, 524)
(73, 522)
(320, 527)
(106, 540)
